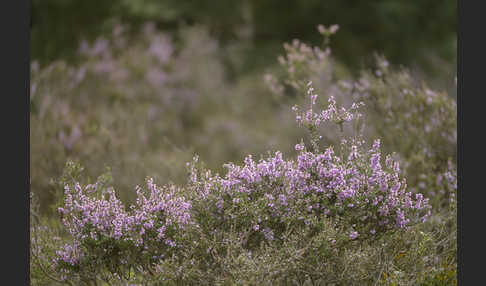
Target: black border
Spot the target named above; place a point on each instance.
(471, 122)
(15, 22)
(14, 118)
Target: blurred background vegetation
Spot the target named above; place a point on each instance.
(109, 90)
(418, 33)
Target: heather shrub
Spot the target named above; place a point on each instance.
(107, 242)
(412, 120)
(265, 197)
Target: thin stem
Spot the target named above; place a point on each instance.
(314, 139)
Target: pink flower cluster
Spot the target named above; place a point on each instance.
(104, 216)
(161, 211)
(332, 113)
(68, 254)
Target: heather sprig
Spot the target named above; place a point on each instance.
(312, 120)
